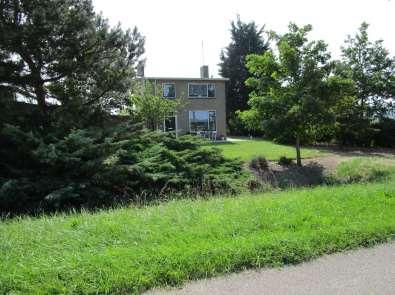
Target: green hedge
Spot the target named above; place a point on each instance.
(105, 166)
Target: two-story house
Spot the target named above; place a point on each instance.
(204, 110)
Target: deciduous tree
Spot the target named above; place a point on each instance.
(373, 70)
(371, 67)
(148, 104)
(293, 90)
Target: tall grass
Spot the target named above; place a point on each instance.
(365, 170)
(130, 250)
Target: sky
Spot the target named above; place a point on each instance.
(175, 29)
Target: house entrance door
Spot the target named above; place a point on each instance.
(170, 123)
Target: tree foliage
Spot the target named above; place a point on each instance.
(148, 104)
(69, 150)
(61, 52)
(293, 90)
(372, 69)
(99, 167)
(246, 39)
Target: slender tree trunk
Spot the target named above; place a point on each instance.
(298, 157)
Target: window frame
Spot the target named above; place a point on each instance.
(175, 123)
(208, 120)
(215, 90)
(202, 97)
(175, 90)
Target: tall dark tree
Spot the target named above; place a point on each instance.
(61, 52)
(246, 38)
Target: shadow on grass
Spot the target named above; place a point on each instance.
(314, 174)
(294, 176)
(219, 142)
(357, 151)
(283, 177)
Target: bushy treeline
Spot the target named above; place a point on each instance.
(359, 95)
(98, 167)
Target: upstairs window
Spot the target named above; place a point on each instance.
(169, 90)
(201, 90)
(211, 90)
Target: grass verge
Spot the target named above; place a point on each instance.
(365, 170)
(247, 149)
(130, 250)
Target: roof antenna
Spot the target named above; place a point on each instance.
(202, 53)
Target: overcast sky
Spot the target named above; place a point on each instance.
(175, 29)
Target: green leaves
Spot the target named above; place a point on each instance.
(370, 66)
(372, 70)
(148, 105)
(246, 39)
(289, 88)
(88, 168)
(61, 52)
(294, 89)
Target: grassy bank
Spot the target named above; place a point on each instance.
(130, 250)
(361, 169)
(247, 149)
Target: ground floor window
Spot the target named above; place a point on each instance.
(202, 121)
(169, 124)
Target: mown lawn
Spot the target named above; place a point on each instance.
(247, 149)
(130, 250)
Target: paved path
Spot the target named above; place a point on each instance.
(236, 139)
(364, 271)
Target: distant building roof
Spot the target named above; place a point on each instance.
(185, 79)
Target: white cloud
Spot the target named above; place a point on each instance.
(174, 29)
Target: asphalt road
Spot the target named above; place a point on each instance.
(363, 271)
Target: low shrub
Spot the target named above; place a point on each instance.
(259, 163)
(284, 161)
(101, 167)
(264, 175)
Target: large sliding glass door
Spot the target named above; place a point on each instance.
(202, 121)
